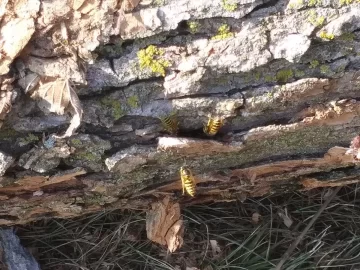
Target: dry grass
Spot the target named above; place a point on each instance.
(117, 240)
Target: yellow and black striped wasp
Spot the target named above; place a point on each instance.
(170, 123)
(213, 126)
(187, 181)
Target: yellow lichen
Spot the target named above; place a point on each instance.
(314, 19)
(325, 35)
(150, 58)
(313, 3)
(29, 139)
(228, 6)
(223, 33)
(297, 4)
(193, 27)
(347, 2)
(159, 3)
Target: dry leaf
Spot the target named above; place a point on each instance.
(164, 224)
(215, 248)
(328, 193)
(57, 94)
(78, 112)
(5, 103)
(286, 219)
(255, 218)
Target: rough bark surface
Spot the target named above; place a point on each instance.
(284, 76)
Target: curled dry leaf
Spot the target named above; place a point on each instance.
(5, 103)
(164, 224)
(57, 94)
(286, 219)
(215, 248)
(255, 218)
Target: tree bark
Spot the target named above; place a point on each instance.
(283, 76)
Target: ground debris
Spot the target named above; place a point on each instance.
(164, 224)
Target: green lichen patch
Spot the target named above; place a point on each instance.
(327, 36)
(86, 156)
(341, 69)
(315, 19)
(347, 36)
(133, 102)
(284, 75)
(223, 33)
(299, 73)
(257, 76)
(114, 106)
(151, 58)
(76, 142)
(193, 26)
(229, 5)
(314, 64)
(28, 139)
(269, 78)
(7, 133)
(324, 69)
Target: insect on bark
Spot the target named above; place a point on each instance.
(187, 181)
(213, 126)
(170, 123)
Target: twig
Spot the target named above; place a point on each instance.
(301, 236)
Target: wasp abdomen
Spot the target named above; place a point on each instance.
(187, 180)
(170, 124)
(213, 126)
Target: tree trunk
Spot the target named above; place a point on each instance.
(282, 75)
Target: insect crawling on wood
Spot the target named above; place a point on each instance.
(187, 181)
(170, 123)
(213, 126)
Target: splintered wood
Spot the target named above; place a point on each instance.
(164, 224)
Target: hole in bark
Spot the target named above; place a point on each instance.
(8, 217)
(43, 215)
